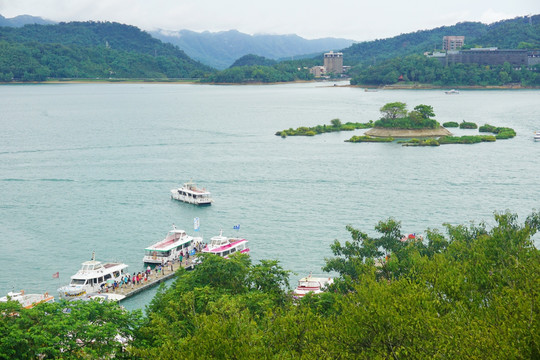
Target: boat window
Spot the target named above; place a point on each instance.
(100, 279)
(225, 253)
(78, 281)
(233, 250)
(116, 273)
(108, 276)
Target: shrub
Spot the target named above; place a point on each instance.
(468, 139)
(366, 138)
(487, 128)
(467, 125)
(451, 124)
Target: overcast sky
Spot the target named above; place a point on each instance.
(352, 19)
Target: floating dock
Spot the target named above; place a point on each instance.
(155, 278)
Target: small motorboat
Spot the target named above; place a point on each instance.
(451, 92)
(537, 135)
(312, 284)
(27, 301)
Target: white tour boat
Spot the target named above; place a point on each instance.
(537, 135)
(93, 277)
(223, 246)
(315, 285)
(175, 243)
(27, 301)
(190, 193)
(451, 92)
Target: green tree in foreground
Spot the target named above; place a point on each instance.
(74, 330)
(470, 292)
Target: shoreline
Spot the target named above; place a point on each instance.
(333, 84)
(408, 133)
(437, 87)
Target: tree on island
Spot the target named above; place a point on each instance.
(395, 116)
(336, 123)
(394, 110)
(425, 110)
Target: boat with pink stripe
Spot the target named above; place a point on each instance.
(223, 246)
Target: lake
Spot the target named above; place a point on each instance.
(89, 167)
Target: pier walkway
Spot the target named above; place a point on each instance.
(155, 278)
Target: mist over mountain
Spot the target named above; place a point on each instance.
(221, 49)
(21, 20)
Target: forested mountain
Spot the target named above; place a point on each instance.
(221, 49)
(89, 50)
(507, 34)
(374, 66)
(250, 59)
(22, 20)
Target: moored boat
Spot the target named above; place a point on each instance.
(93, 277)
(312, 284)
(537, 135)
(223, 246)
(169, 249)
(451, 92)
(191, 194)
(27, 301)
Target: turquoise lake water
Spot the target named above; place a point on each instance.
(89, 167)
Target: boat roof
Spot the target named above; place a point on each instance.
(230, 243)
(171, 241)
(191, 187)
(102, 269)
(321, 279)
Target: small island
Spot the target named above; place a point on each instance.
(335, 126)
(397, 122)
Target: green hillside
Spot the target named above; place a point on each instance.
(509, 34)
(90, 50)
(384, 62)
(405, 44)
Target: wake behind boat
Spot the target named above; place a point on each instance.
(191, 194)
(169, 249)
(93, 277)
(223, 246)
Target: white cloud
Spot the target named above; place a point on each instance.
(353, 19)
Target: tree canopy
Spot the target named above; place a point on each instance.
(395, 115)
(468, 292)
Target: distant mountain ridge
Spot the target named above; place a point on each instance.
(221, 49)
(21, 20)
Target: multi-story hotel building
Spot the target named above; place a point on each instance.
(333, 62)
(453, 42)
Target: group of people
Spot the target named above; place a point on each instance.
(142, 277)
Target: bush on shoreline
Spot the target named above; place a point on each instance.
(501, 133)
(366, 138)
(450, 124)
(335, 126)
(467, 125)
